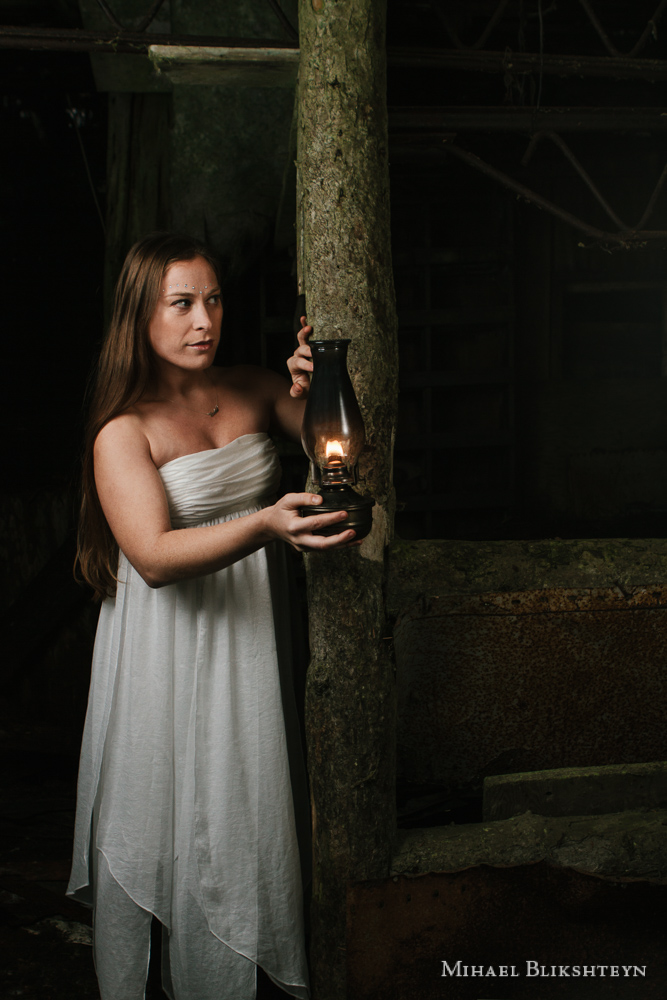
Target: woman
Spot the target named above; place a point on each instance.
(184, 804)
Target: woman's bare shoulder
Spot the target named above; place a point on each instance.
(122, 432)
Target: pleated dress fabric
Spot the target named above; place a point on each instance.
(184, 795)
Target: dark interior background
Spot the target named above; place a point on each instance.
(488, 287)
(533, 357)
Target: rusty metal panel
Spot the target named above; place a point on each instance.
(526, 681)
(401, 930)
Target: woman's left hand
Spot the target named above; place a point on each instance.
(300, 364)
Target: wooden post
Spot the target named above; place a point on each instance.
(345, 273)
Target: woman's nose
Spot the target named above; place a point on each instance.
(202, 320)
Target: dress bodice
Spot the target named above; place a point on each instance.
(210, 484)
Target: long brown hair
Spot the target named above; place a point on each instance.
(123, 373)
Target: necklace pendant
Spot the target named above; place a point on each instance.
(212, 413)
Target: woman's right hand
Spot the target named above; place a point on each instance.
(300, 364)
(136, 508)
(285, 522)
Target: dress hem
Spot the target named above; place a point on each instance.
(303, 988)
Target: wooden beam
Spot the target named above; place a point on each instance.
(237, 65)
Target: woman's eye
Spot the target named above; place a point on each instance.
(213, 300)
(181, 302)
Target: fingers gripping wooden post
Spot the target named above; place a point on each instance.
(346, 276)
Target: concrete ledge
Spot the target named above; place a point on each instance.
(421, 570)
(576, 791)
(626, 845)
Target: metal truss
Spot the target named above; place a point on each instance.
(152, 12)
(143, 25)
(627, 237)
(649, 31)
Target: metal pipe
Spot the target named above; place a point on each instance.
(127, 43)
(136, 43)
(530, 120)
(620, 67)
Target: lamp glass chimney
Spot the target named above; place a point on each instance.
(333, 432)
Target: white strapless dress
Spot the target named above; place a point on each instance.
(184, 758)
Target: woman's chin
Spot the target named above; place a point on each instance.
(191, 361)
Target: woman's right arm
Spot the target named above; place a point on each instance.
(135, 505)
(300, 365)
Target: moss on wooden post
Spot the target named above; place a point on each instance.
(345, 273)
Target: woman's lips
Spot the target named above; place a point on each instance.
(202, 345)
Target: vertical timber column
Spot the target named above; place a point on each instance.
(345, 273)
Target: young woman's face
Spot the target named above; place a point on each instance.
(184, 330)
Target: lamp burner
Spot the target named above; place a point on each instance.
(343, 497)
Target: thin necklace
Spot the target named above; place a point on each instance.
(209, 413)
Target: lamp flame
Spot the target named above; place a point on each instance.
(334, 449)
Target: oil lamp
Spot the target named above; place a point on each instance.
(333, 436)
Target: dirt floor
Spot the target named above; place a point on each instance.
(46, 938)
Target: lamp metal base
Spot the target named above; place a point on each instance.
(359, 510)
